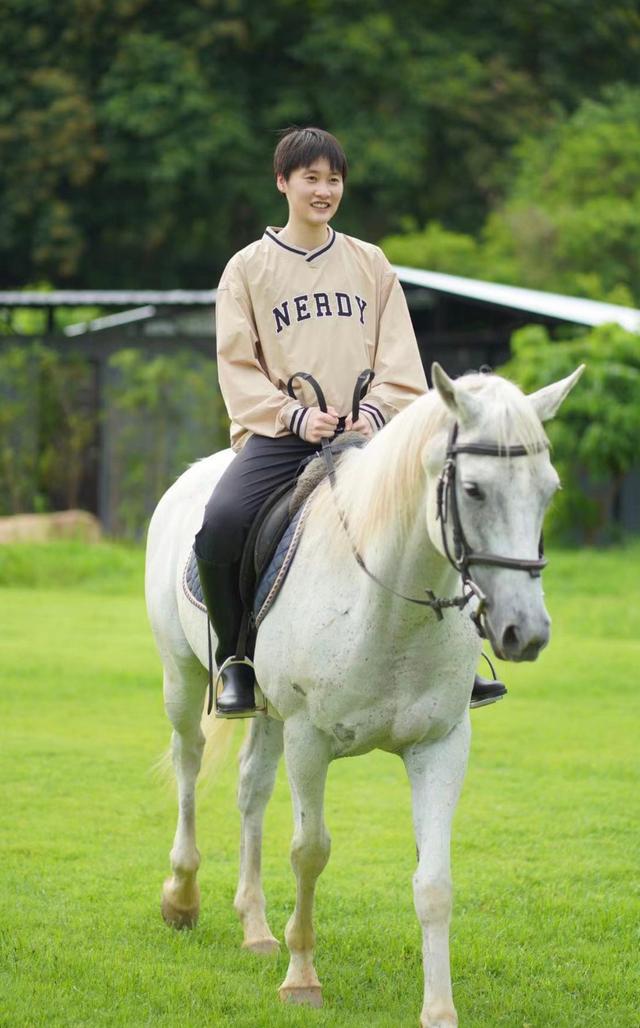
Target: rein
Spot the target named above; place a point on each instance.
(447, 502)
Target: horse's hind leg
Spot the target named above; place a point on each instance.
(184, 697)
(258, 764)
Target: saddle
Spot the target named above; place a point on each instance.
(272, 540)
(266, 558)
(270, 537)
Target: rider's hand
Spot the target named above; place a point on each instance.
(318, 425)
(362, 425)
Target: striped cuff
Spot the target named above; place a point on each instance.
(374, 415)
(298, 419)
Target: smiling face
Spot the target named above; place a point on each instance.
(313, 194)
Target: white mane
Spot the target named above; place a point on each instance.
(380, 486)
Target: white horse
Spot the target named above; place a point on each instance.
(346, 665)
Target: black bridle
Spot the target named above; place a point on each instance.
(462, 556)
(447, 500)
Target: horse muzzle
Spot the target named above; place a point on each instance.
(518, 639)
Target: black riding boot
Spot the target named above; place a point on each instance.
(222, 597)
(486, 691)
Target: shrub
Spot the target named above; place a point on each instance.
(158, 414)
(48, 424)
(19, 485)
(163, 413)
(595, 437)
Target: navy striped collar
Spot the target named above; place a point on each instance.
(309, 255)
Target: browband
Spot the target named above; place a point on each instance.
(492, 450)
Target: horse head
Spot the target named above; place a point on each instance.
(491, 481)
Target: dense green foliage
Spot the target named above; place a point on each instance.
(159, 409)
(570, 218)
(544, 928)
(47, 427)
(136, 137)
(595, 439)
(18, 435)
(156, 411)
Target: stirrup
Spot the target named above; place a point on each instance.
(494, 690)
(260, 704)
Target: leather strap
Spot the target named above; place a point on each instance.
(493, 450)
(363, 381)
(315, 385)
(463, 556)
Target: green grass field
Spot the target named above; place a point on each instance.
(545, 849)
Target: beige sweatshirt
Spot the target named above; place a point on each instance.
(332, 312)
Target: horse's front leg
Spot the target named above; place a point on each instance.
(436, 771)
(259, 758)
(307, 759)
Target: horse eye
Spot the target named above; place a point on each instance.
(473, 489)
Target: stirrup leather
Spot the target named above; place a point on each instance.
(258, 695)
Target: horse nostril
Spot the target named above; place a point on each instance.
(510, 637)
(532, 650)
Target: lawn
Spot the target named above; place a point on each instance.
(545, 850)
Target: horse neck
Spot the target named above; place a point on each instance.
(383, 493)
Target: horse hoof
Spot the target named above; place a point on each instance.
(308, 996)
(263, 946)
(443, 1020)
(179, 917)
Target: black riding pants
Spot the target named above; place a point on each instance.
(262, 465)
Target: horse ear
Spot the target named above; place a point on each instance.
(546, 401)
(462, 405)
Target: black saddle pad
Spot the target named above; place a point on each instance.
(275, 516)
(266, 532)
(271, 523)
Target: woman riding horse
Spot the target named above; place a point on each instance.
(302, 296)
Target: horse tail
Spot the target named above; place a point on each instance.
(218, 734)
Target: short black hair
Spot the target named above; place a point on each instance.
(300, 147)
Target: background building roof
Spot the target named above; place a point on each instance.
(565, 308)
(573, 309)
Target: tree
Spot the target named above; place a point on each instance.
(595, 440)
(571, 221)
(437, 249)
(136, 138)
